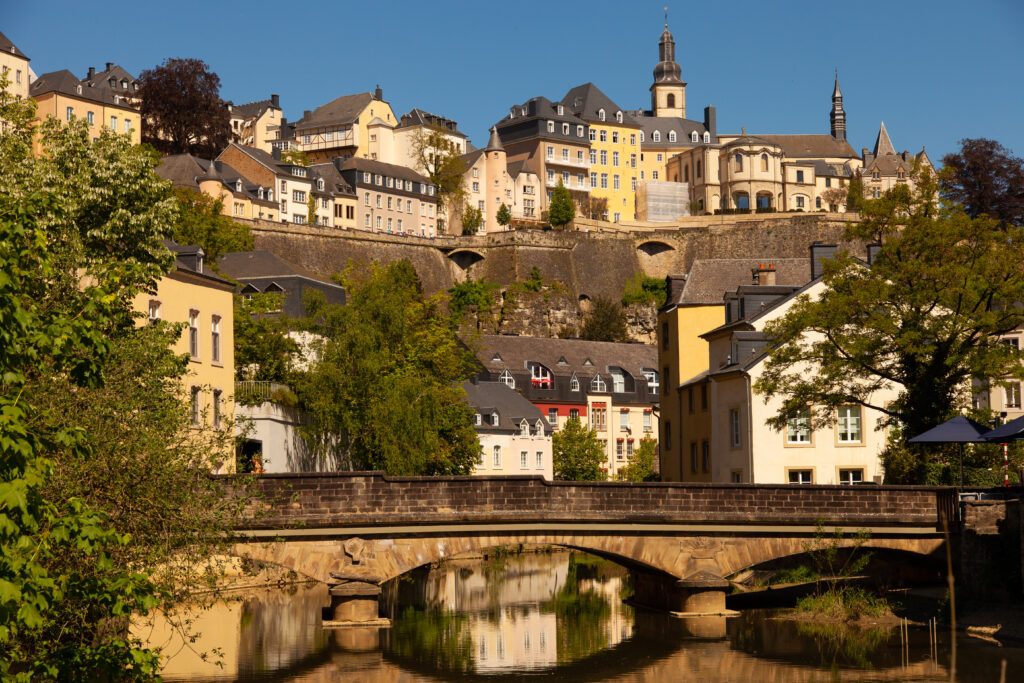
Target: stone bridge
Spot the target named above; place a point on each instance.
(682, 541)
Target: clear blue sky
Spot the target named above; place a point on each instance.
(935, 71)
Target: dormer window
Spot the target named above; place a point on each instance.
(656, 136)
(494, 419)
(238, 186)
(260, 193)
(366, 177)
(598, 384)
(707, 137)
(561, 110)
(124, 85)
(524, 428)
(496, 356)
(551, 126)
(270, 194)
(618, 116)
(651, 375)
(671, 136)
(540, 376)
(694, 137)
(574, 383)
(565, 129)
(478, 419)
(320, 184)
(79, 88)
(507, 379)
(642, 138)
(600, 115)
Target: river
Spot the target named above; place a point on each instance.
(560, 616)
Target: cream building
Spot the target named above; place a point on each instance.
(488, 185)
(14, 65)
(256, 124)
(514, 436)
(884, 168)
(239, 197)
(204, 303)
(62, 96)
(391, 198)
(350, 125)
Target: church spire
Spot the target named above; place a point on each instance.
(668, 92)
(837, 117)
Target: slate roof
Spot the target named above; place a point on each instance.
(883, 145)
(334, 182)
(186, 258)
(811, 146)
(66, 83)
(261, 264)
(543, 108)
(182, 170)
(418, 117)
(392, 170)
(823, 168)
(261, 271)
(586, 100)
(341, 111)
(664, 124)
(516, 167)
(564, 356)
(469, 158)
(101, 80)
(251, 110)
(490, 397)
(7, 46)
(710, 279)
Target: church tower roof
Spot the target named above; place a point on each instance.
(667, 70)
(837, 117)
(494, 143)
(883, 145)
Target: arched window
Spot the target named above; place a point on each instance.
(656, 136)
(670, 101)
(764, 162)
(671, 136)
(598, 384)
(739, 161)
(686, 174)
(600, 115)
(707, 137)
(618, 116)
(694, 137)
(507, 379)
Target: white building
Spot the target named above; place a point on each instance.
(515, 437)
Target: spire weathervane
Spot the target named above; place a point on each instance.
(666, 15)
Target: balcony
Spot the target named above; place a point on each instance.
(571, 185)
(572, 163)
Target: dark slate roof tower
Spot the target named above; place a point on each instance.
(668, 92)
(837, 117)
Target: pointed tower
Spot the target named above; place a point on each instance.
(837, 117)
(668, 92)
(883, 145)
(211, 182)
(496, 179)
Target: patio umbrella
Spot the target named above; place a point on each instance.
(959, 430)
(1011, 431)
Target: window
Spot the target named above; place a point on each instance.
(798, 428)
(507, 379)
(378, 222)
(540, 376)
(551, 126)
(615, 182)
(647, 420)
(391, 201)
(734, 428)
(552, 416)
(604, 158)
(600, 115)
(654, 175)
(540, 459)
(593, 178)
(618, 116)
(851, 477)
(390, 224)
(694, 137)
(619, 449)
(693, 457)
(705, 457)
(799, 176)
(496, 458)
(565, 129)
(738, 162)
(603, 135)
(800, 201)
(478, 419)
(366, 198)
(113, 123)
(848, 424)
(579, 131)
(90, 118)
(817, 202)
(671, 136)
(707, 137)
(366, 220)
(524, 428)
(691, 405)
(194, 406)
(216, 408)
(656, 136)
(215, 339)
(579, 156)
(377, 179)
(828, 182)
(298, 196)
(599, 419)
(69, 113)
(523, 455)
(366, 176)
(736, 476)
(1013, 395)
(494, 419)
(598, 384)
(615, 158)
(801, 477)
(154, 310)
(574, 384)
(193, 334)
(624, 419)
(604, 179)
(377, 201)
(632, 183)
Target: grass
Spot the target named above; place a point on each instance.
(847, 603)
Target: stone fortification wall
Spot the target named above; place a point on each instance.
(326, 500)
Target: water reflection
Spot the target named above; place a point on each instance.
(560, 614)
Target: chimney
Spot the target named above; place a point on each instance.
(873, 250)
(275, 152)
(275, 101)
(306, 114)
(711, 120)
(110, 66)
(92, 73)
(378, 94)
(821, 252)
(764, 275)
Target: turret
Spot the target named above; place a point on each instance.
(668, 92)
(837, 117)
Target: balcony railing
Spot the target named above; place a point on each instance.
(253, 392)
(573, 184)
(575, 163)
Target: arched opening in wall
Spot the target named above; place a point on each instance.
(764, 201)
(657, 259)
(584, 303)
(670, 101)
(463, 261)
(741, 200)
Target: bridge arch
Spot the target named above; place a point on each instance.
(657, 258)
(761, 551)
(463, 261)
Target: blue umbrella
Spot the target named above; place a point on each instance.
(1011, 431)
(959, 430)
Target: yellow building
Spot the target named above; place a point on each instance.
(345, 126)
(239, 196)
(696, 305)
(62, 96)
(256, 124)
(614, 151)
(14, 66)
(203, 302)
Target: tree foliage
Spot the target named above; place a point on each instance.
(606, 321)
(597, 208)
(200, 221)
(577, 453)
(985, 178)
(923, 320)
(385, 392)
(641, 289)
(182, 110)
(504, 216)
(562, 210)
(472, 219)
(263, 350)
(641, 466)
(855, 194)
(437, 157)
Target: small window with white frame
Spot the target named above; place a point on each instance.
(496, 457)
(852, 476)
(478, 419)
(848, 424)
(494, 419)
(215, 339)
(800, 476)
(524, 459)
(1013, 395)
(574, 383)
(598, 384)
(193, 334)
(798, 428)
(153, 310)
(507, 379)
(551, 126)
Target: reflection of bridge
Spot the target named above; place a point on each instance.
(682, 541)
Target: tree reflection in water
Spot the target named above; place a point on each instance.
(439, 638)
(842, 645)
(581, 615)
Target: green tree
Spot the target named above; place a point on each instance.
(385, 392)
(80, 230)
(855, 194)
(504, 216)
(641, 289)
(641, 466)
(924, 319)
(263, 349)
(311, 209)
(606, 321)
(200, 221)
(562, 209)
(577, 453)
(437, 157)
(472, 219)
(471, 297)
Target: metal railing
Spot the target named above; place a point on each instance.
(254, 392)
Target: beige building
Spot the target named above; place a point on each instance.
(350, 125)
(62, 96)
(488, 185)
(256, 124)
(884, 168)
(14, 65)
(204, 303)
(239, 197)
(390, 198)
(514, 436)
(417, 123)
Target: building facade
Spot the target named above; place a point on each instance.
(611, 388)
(14, 66)
(62, 96)
(345, 126)
(256, 124)
(391, 198)
(884, 168)
(514, 436)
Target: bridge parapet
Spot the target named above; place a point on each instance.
(373, 498)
